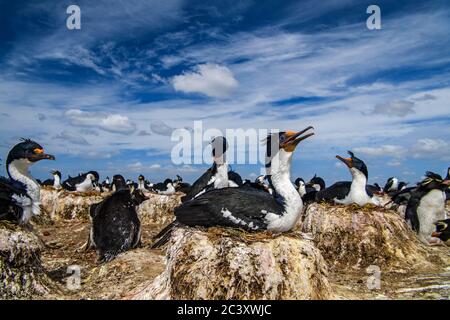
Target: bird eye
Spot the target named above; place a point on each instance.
(282, 138)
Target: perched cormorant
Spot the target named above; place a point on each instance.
(82, 183)
(427, 205)
(348, 192)
(55, 182)
(249, 208)
(115, 224)
(20, 194)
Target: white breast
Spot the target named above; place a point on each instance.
(430, 210)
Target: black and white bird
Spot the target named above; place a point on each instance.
(118, 183)
(350, 192)
(391, 185)
(217, 176)
(142, 184)
(165, 188)
(20, 194)
(106, 185)
(55, 182)
(375, 188)
(115, 224)
(181, 186)
(316, 183)
(442, 230)
(259, 183)
(427, 206)
(249, 208)
(84, 182)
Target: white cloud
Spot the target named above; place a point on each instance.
(72, 138)
(161, 128)
(210, 79)
(428, 148)
(155, 166)
(399, 108)
(115, 123)
(382, 151)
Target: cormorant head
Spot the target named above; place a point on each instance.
(28, 150)
(354, 162)
(95, 175)
(434, 181)
(316, 181)
(56, 173)
(141, 178)
(442, 230)
(280, 146)
(219, 147)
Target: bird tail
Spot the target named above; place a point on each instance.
(163, 236)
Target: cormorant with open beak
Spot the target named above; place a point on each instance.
(20, 194)
(348, 192)
(249, 208)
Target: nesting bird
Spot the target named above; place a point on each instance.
(115, 224)
(20, 194)
(217, 176)
(348, 192)
(55, 182)
(84, 182)
(249, 208)
(427, 206)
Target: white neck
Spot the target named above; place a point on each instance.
(141, 185)
(281, 180)
(359, 180)
(221, 176)
(18, 170)
(56, 182)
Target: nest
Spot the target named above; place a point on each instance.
(62, 204)
(353, 236)
(158, 209)
(229, 264)
(21, 273)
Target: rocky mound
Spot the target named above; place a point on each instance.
(158, 209)
(357, 237)
(21, 273)
(229, 264)
(62, 204)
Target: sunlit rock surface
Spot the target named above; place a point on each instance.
(228, 264)
(158, 209)
(356, 237)
(21, 273)
(61, 204)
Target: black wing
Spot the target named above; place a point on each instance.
(199, 185)
(243, 207)
(9, 210)
(388, 184)
(338, 190)
(235, 177)
(402, 196)
(48, 182)
(411, 209)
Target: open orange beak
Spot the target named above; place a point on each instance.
(293, 139)
(348, 161)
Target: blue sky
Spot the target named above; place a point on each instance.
(108, 96)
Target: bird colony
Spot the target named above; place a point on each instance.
(222, 237)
